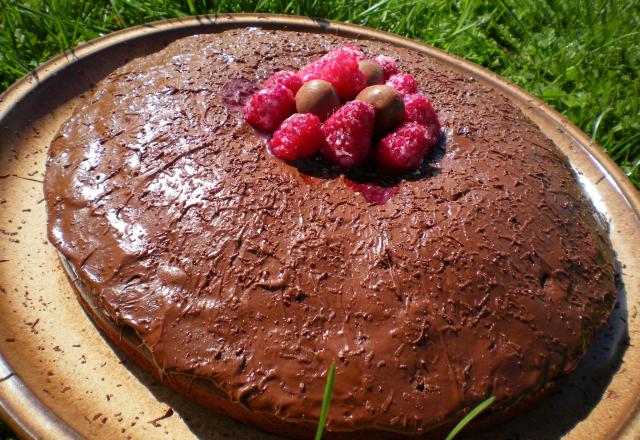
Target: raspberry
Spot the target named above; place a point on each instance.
(286, 78)
(403, 149)
(431, 135)
(404, 83)
(298, 136)
(388, 65)
(354, 50)
(348, 132)
(340, 69)
(417, 108)
(269, 107)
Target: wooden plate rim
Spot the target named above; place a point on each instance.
(19, 407)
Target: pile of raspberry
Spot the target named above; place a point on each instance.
(347, 135)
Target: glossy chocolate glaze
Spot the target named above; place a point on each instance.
(485, 273)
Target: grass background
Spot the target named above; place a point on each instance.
(580, 56)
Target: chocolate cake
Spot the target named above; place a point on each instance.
(238, 278)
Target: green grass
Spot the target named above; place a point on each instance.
(580, 56)
(475, 412)
(328, 392)
(326, 401)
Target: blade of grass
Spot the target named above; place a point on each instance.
(192, 7)
(469, 417)
(326, 401)
(597, 122)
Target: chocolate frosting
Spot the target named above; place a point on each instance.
(486, 273)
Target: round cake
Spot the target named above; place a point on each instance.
(239, 278)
